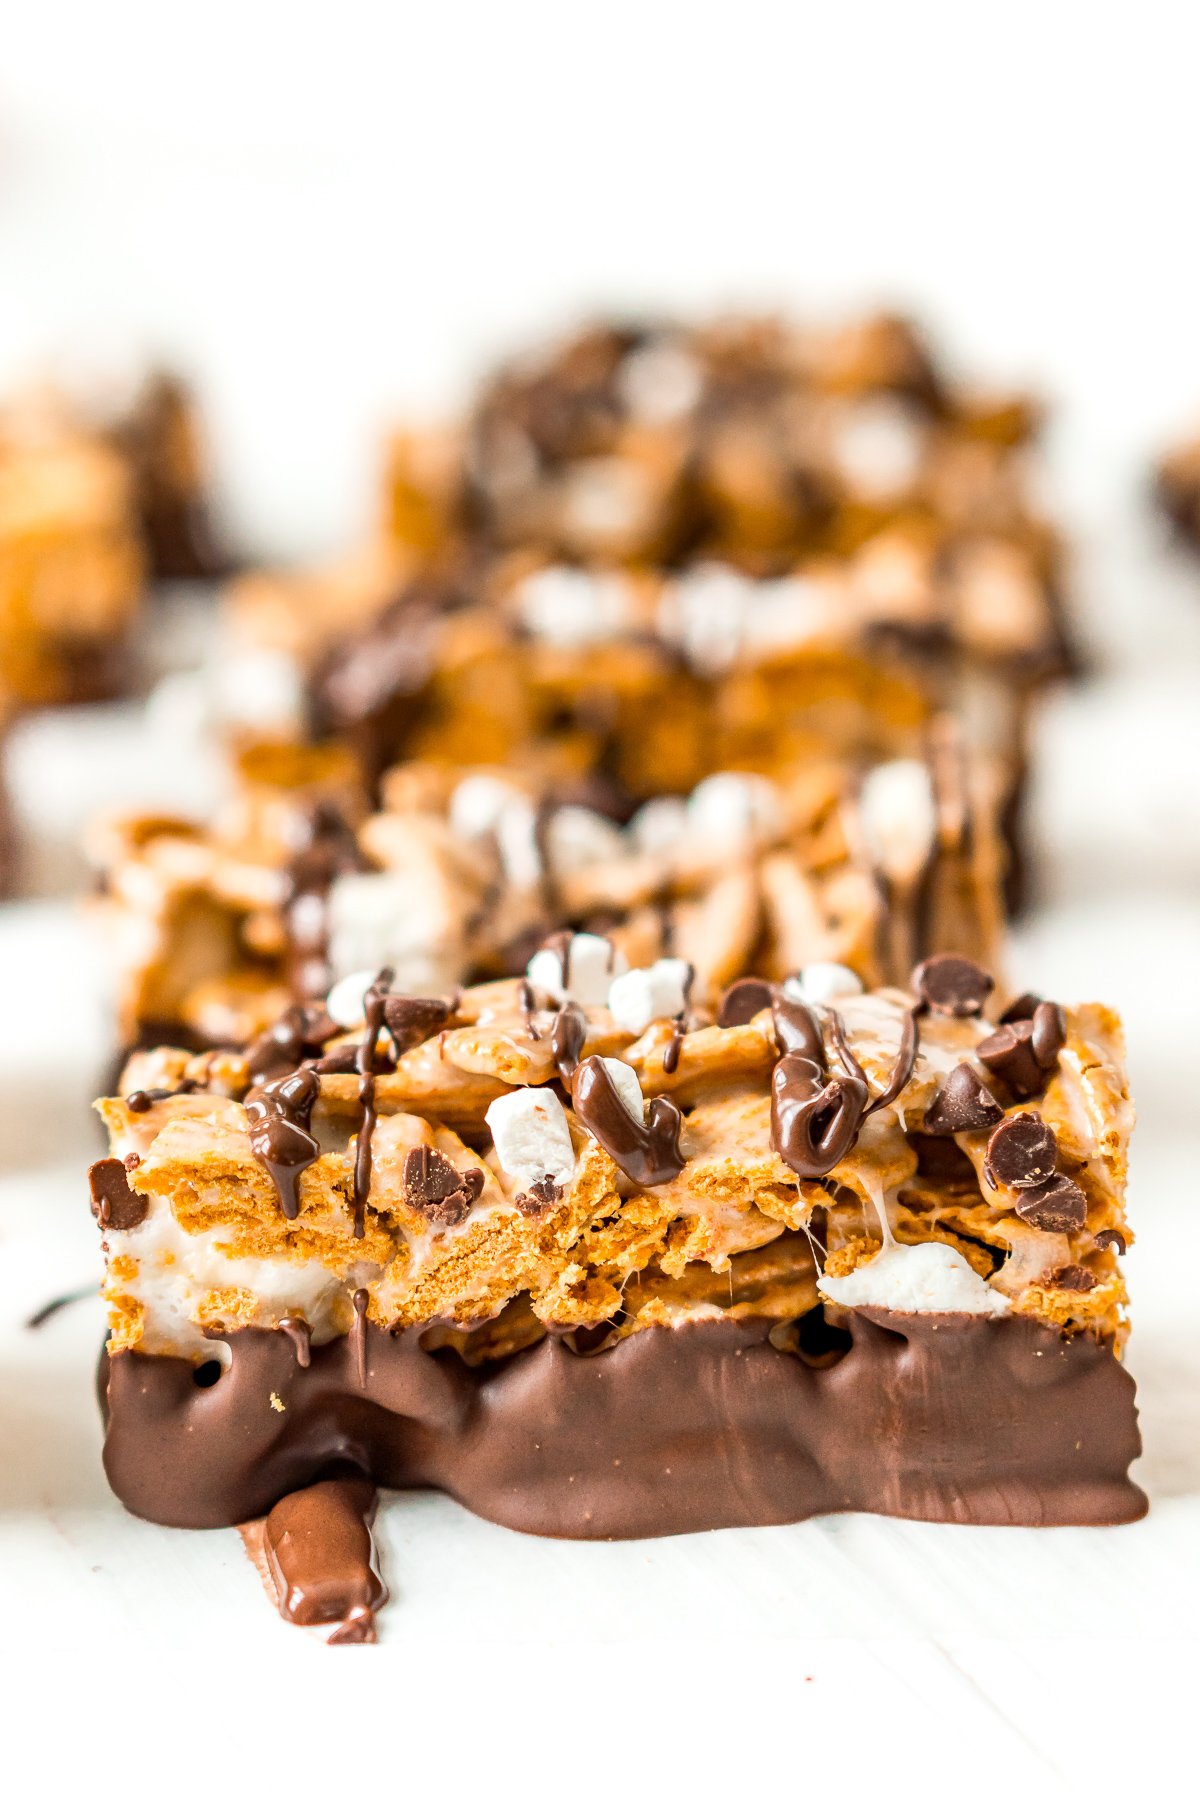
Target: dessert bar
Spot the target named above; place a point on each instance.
(601, 1259)
(1177, 486)
(462, 872)
(71, 561)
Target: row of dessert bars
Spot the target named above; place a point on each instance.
(565, 1072)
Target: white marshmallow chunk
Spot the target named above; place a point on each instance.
(658, 827)
(821, 983)
(660, 382)
(571, 608)
(592, 962)
(640, 996)
(477, 803)
(879, 444)
(705, 613)
(734, 811)
(629, 1088)
(517, 837)
(898, 816)
(578, 838)
(915, 1278)
(346, 1001)
(261, 689)
(382, 919)
(532, 1138)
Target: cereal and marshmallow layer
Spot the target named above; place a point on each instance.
(591, 1150)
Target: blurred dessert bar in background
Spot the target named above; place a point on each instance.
(1177, 487)
(664, 551)
(90, 513)
(460, 873)
(553, 1243)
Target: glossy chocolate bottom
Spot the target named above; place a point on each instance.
(979, 1421)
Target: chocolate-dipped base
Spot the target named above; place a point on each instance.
(947, 1417)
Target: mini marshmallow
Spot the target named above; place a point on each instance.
(379, 920)
(532, 1137)
(658, 827)
(898, 817)
(629, 1088)
(578, 838)
(705, 612)
(346, 1001)
(261, 689)
(592, 962)
(517, 837)
(915, 1278)
(734, 811)
(477, 803)
(821, 983)
(879, 444)
(792, 610)
(605, 498)
(660, 382)
(571, 608)
(640, 996)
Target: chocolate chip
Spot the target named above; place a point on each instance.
(1023, 1007)
(744, 1000)
(342, 1061)
(1111, 1240)
(1072, 1276)
(411, 1019)
(114, 1203)
(962, 1103)
(1021, 1152)
(952, 984)
(433, 1186)
(1048, 1033)
(540, 1196)
(1008, 1053)
(1056, 1205)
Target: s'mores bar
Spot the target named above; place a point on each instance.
(601, 1259)
(462, 872)
(1177, 488)
(71, 560)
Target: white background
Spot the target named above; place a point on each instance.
(327, 215)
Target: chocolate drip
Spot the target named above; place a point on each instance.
(743, 1000)
(300, 1333)
(646, 1151)
(358, 1334)
(568, 1038)
(528, 1008)
(679, 1026)
(140, 1100)
(297, 1033)
(321, 1556)
(327, 848)
(279, 1114)
(815, 1116)
(373, 1006)
(798, 1029)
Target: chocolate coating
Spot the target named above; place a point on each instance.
(950, 1417)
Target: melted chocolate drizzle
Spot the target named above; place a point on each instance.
(279, 1113)
(816, 1116)
(646, 1151)
(568, 1038)
(373, 1006)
